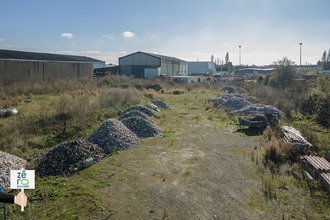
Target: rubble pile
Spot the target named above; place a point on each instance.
(9, 162)
(240, 90)
(113, 135)
(135, 113)
(235, 103)
(253, 109)
(152, 106)
(141, 108)
(160, 104)
(141, 127)
(252, 99)
(68, 158)
(228, 89)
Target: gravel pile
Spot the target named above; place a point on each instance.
(152, 106)
(252, 99)
(113, 135)
(9, 162)
(141, 127)
(254, 109)
(228, 89)
(161, 104)
(216, 102)
(141, 108)
(235, 103)
(136, 113)
(68, 158)
(240, 90)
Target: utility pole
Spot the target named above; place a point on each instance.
(239, 55)
(300, 52)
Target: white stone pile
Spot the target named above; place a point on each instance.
(113, 135)
(240, 105)
(9, 162)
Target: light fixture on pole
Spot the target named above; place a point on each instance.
(239, 55)
(300, 52)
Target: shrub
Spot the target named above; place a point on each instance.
(276, 151)
(155, 87)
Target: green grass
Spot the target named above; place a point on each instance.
(38, 127)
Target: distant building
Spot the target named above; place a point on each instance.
(25, 55)
(22, 66)
(150, 65)
(201, 68)
(251, 71)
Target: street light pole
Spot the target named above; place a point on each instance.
(300, 52)
(239, 55)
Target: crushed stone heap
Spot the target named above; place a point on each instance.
(141, 127)
(68, 158)
(141, 108)
(161, 104)
(152, 106)
(228, 89)
(254, 109)
(9, 162)
(113, 135)
(135, 113)
(235, 103)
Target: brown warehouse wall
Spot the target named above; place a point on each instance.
(12, 71)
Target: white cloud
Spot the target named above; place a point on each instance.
(108, 36)
(67, 35)
(1, 39)
(128, 34)
(91, 52)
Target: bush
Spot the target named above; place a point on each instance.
(276, 151)
(155, 87)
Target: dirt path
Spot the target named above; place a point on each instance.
(199, 169)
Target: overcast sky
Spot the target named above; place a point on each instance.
(191, 30)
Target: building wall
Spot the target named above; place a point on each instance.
(136, 63)
(144, 65)
(201, 67)
(12, 71)
(98, 65)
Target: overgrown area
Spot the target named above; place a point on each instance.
(199, 160)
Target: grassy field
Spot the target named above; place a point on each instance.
(201, 167)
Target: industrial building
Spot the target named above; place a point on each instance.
(25, 55)
(150, 65)
(21, 66)
(201, 68)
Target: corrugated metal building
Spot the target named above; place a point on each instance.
(150, 65)
(22, 66)
(25, 55)
(201, 67)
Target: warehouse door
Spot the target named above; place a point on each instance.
(138, 71)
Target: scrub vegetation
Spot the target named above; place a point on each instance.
(200, 167)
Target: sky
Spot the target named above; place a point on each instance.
(266, 30)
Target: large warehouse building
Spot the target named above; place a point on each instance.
(150, 65)
(201, 68)
(21, 66)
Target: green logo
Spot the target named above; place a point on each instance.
(22, 182)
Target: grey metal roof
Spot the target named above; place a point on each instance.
(24, 55)
(156, 55)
